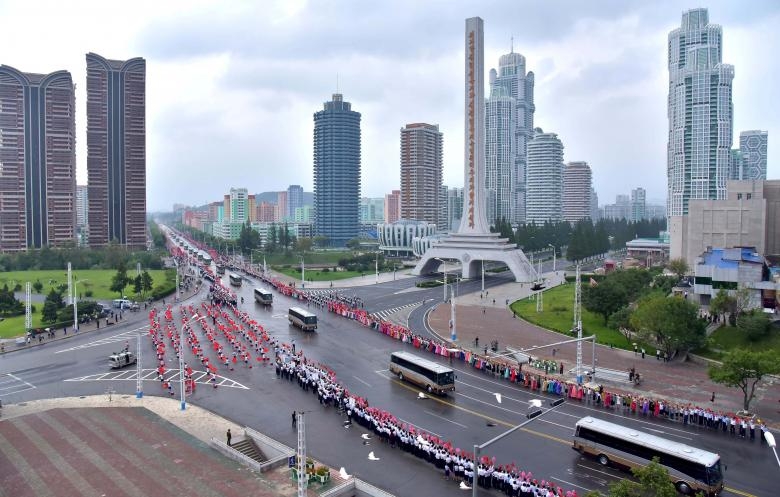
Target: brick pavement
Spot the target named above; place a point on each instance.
(684, 382)
(50, 449)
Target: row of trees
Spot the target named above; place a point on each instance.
(79, 257)
(142, 283)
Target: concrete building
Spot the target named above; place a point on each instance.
(239, 205)
(753, 150)
(421, 172)
(251, 208)
(621, 209)
(336, 172)
(266, 212)
(294, 199)
(510, 84)
(303, 215)
(749, 217)
(37, 159)
(282, 207)
(82, 215)
(638, 205)
(577, 188)
(395, 239)
(372, 210)
(732, 269)
(393, 206)
(700, 115)
(594, 205)
(544, 178)
(116, 151)
(500, 154)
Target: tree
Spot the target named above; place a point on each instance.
(653, 481)
(146, 282)
(353, 244)
(51, 306)
(120, 280)
(605, 298)
(723, 303)
(37, 286)
(271, 239)
(9, 305)
(745, 369)
(672, 322)
(755, 325)
(321, 241)
(304, 244)
(138, 285)
(621, 320)
(679, 267)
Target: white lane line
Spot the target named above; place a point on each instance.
(599, 471)
(445, 419)
(125, 335)
(16, 391)
(570, 484)
(21, 380)
(362, 381)
(577, 405)
(420, 428)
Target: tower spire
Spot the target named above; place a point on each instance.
(512, 44)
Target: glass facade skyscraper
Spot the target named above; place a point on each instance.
(507, 136)
(544, 200)
(336, 172)
(700, 113)
(752, 147)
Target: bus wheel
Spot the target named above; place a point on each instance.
(603, 460)
(429, 389)
(400, 376)
(683, 487)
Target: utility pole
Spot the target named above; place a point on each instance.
(540, 294)
(453, 332)
(70, 285)
(139, 390)
(28, 306)
(578, 322)
(301, 456)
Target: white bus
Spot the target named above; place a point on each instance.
(302, 318)
(430, 375)
(235, 279)
(263, 296)
(691, 470)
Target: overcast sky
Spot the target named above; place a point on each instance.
(232, 86)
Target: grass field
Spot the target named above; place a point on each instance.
(558, 316)
(317, 275)
(96, 280)
(294, 258)
(728, 338)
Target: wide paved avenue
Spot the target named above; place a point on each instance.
(359, 357)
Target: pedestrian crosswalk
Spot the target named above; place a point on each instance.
(386, 313)
(120, 337)
(171, 375)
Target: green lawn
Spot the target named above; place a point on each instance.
(96, 280)
(14, 327)
(294, 258)
(318, 275)
(727, 338)
(558, 315)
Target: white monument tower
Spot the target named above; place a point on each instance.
(474, 243)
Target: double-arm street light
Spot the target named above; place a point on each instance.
(75, 308)
(303, 274)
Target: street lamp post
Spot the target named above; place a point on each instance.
(376, 266)
(531, 416)
(482, 263)
(453, 332)
(552, 247)
(75, 308)
(770, 439)
(303, 274)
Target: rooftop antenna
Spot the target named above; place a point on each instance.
(512, 44)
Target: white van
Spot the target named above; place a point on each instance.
(120, 360)
(121, 303)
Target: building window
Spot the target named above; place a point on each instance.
(748, 196)
(739, 196)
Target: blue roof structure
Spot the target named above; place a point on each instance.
(730, 258)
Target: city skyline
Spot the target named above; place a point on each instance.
(605, 98)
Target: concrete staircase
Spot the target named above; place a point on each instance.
(249, 449)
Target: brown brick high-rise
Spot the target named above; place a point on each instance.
(116, 151)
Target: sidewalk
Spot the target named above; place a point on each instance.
(676, 381)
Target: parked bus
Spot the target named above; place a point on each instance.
(263, 296)
(235, 279)
(302, 318)
(691, 470)
(430, 375)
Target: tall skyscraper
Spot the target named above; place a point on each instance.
(544, 178)
(239, 205)
(116, 150)
(37, 159)
(421, 172)
(251, 208)
(336, 171)
(638, 205)
(281, 206)
(577, 187)
(393, 206)
(517, 84)
(294, 199)
(594, 205)
(500, 154)
(753, 145)
(700, 115)
(454, 208)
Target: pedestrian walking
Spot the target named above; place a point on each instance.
(294, 420)
(643, 352)
(229, 437)
(712, 399)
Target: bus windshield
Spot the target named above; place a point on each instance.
(714, 474)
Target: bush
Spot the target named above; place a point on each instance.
(326, 270)
(88, 293)
(428, 284)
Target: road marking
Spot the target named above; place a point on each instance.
(361, 381)
(739, 492)
(570, 483)
(171, 375)
(445, 419)
(599, 471)
(125, 335)
(420, 428)
(16, 385)
(279, 316)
